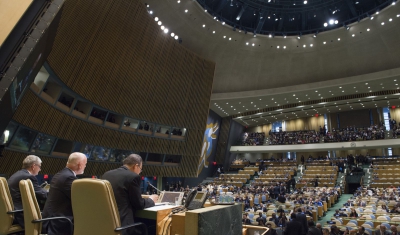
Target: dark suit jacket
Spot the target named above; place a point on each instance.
(314, 231)
(302, 219)
(293, 228)
(13, 184)
(59, 202)
(126, 187)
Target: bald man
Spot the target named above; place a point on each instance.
(59, 199)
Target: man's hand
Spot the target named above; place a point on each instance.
(154, 197)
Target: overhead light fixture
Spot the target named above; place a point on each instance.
(156, 18)
(394, 3)
(370, 17)
(336, 22)
(305, 2)
(331, 22)
(325, 24)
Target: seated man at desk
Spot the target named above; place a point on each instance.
(125, 182)
(30, 168)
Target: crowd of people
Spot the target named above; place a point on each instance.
(351, 133)
(252, 139)
(293, 137)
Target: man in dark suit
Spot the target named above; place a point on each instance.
(30, 168)
(292, 227)
(125, 182)
(59, 199)
(302, 219)
(312, 230)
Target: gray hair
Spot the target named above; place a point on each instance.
(30, 160)
(133, 159)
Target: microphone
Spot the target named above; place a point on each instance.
(153, 186)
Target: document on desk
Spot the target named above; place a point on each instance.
(159, 207)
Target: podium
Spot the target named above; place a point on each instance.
(214, 220)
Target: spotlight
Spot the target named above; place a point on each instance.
(186, 11)
(247, 43)
(368, 29)
(346, 27)
(156, 18)
(315, 34)
(165, 30)
(162, 27)
(325, 24)
(223, 23)
(336, 22)
(331, 21)
(305, 2)
(394, 3)
(159, 23)
(151, 12)
(176, 37)
(377, 12)
(383, 23)
(172, 34)
(205, 10)
(254, 34)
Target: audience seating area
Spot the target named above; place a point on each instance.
(253, 138)
(373, 210)
(294, 137)
(385, 175)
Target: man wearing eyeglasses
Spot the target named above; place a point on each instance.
(30, 169)
(125, 182)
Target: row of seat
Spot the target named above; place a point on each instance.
(87, 195)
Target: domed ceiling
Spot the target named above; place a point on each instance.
(291, 17)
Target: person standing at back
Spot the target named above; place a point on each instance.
(302, 219)
(30, 169)
(293, 227)
(59, 199)
(125, 182)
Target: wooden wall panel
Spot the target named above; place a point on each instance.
(130, 64)
(46, 119)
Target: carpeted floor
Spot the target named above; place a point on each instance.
(343, 199)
